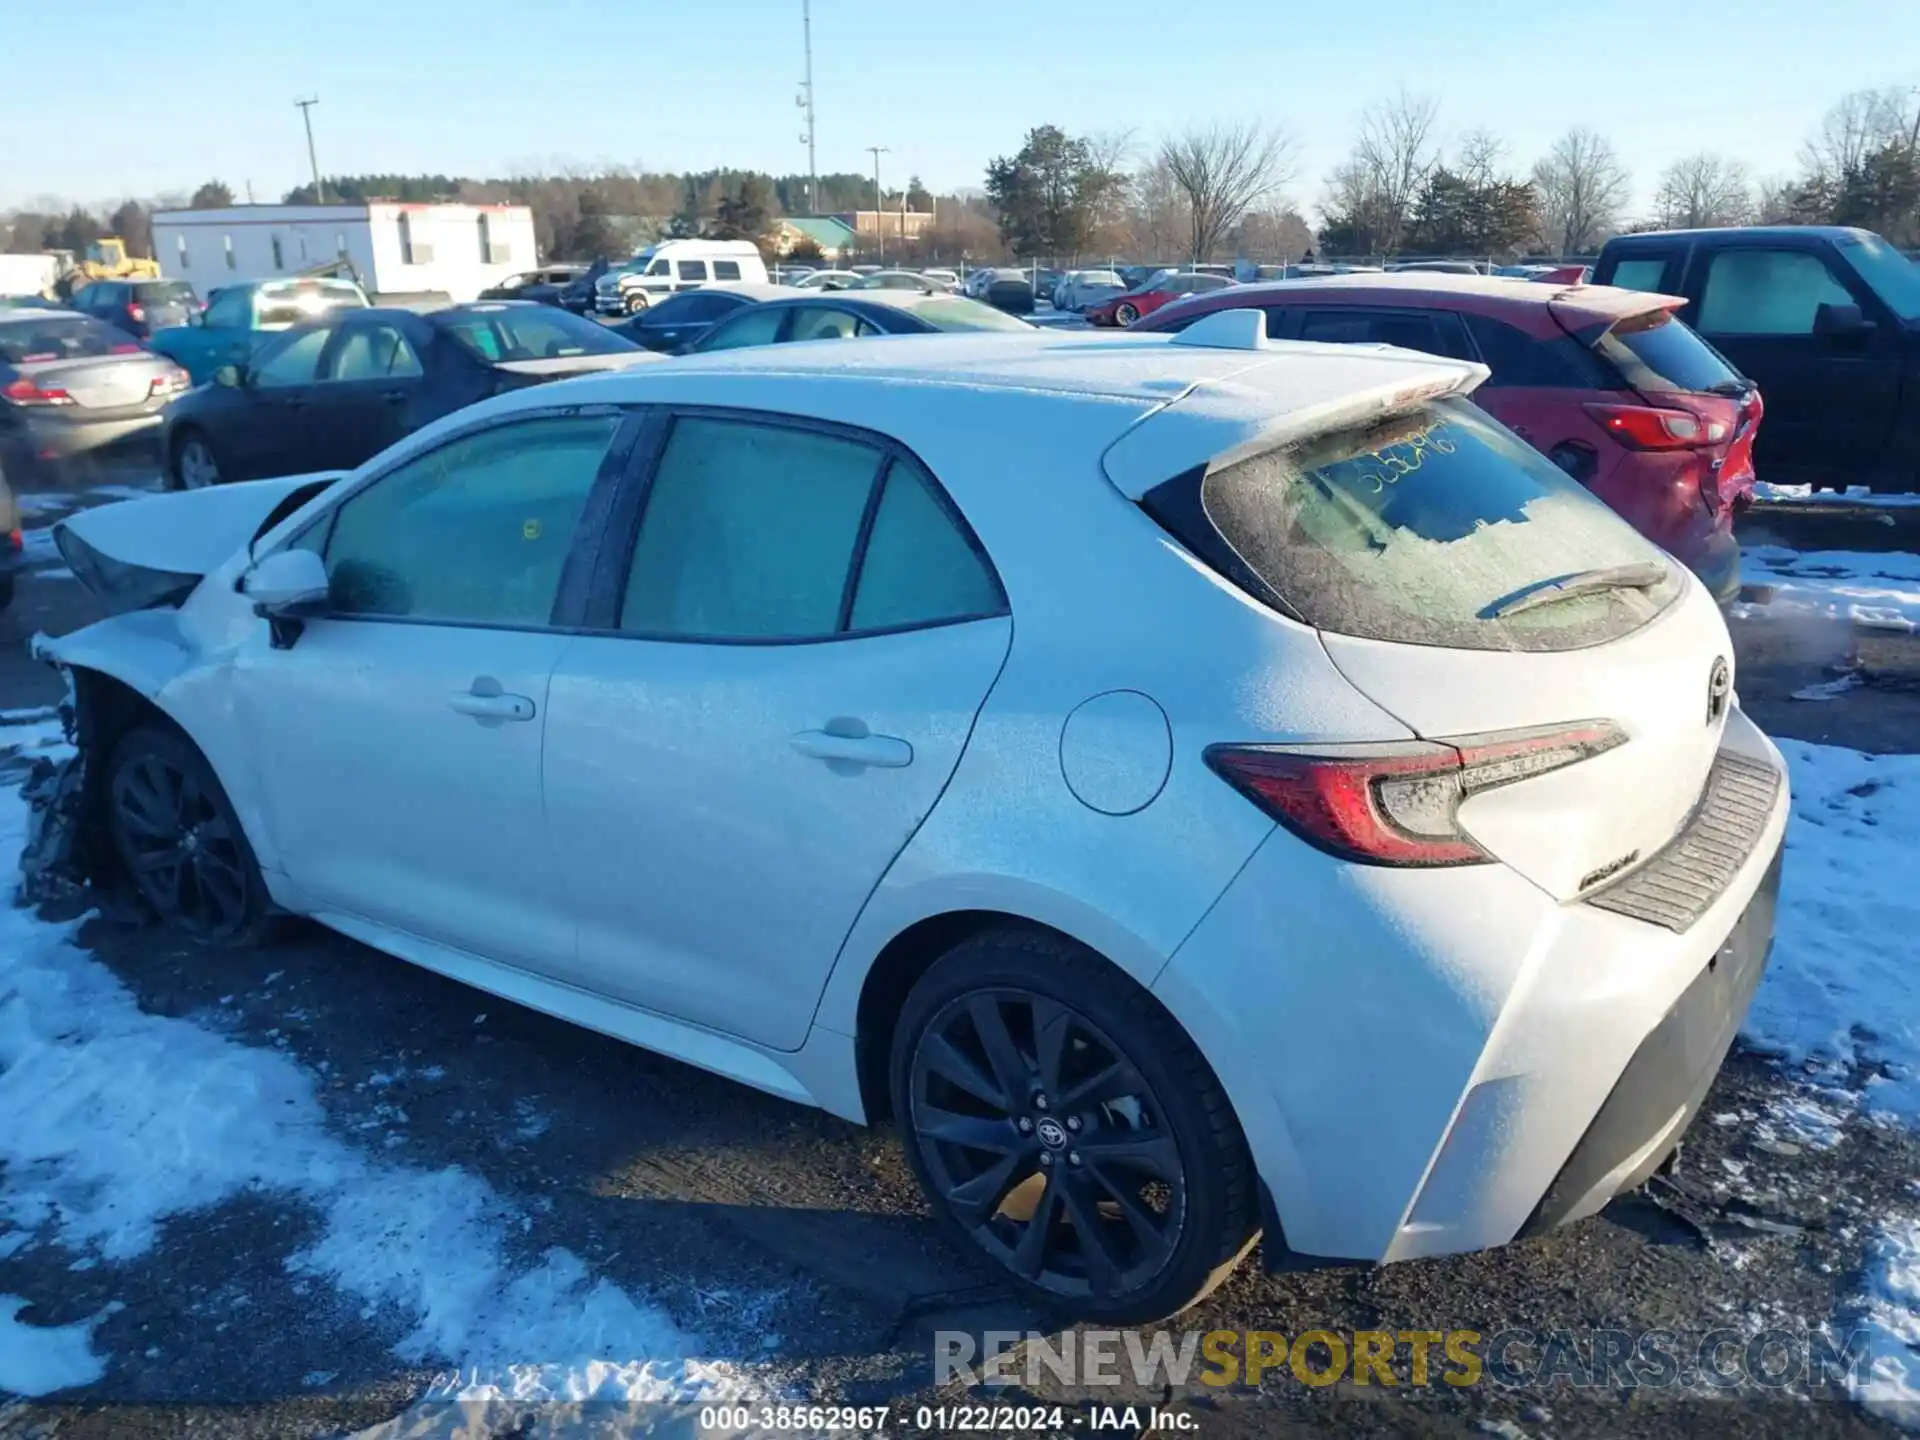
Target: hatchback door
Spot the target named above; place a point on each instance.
(399, 735)
(1469, 588)
(795, 646)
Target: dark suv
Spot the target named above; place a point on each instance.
(1825, 319)
(138, 307)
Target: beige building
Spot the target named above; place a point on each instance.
(887, 224)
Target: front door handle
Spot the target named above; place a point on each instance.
(486, 703)
(884, 751)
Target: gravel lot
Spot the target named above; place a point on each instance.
(795, 1247)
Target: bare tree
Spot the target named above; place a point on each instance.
(1704, 190)
(1479, 157)
(1582, 186)
(1157, 219)
(1395, 153)
(1773, 199)
(1858, 125)
(1221, 172)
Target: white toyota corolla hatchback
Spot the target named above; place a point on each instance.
(1195, 786)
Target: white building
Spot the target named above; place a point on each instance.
(396, 247)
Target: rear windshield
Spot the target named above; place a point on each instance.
(1655, 352)
(529, 332)
(159, 292)
(1416, 529)
(961, 314)
(297, 304)
(1894, 278)
(59, 337)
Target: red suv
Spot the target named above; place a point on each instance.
(1605, 382)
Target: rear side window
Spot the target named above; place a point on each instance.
(1417, 529)
(1656, 352)
(693, 269)
(1371, 327)
(1516, 360)
(1644, 274)
(726, 269)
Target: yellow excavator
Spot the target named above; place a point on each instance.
(107, 259)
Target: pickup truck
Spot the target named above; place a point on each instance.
(1824, 319)
(239, 317)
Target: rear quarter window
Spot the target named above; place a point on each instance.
(1416, 529)
(1516, 360)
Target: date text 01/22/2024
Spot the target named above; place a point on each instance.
(963, 1418)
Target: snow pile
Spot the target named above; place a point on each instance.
(1876, 592)
(40, 1359)
(1890, 1315)
(1841, 988)
(1852, 495)
(118, 1119)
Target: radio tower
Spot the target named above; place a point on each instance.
(805, 102)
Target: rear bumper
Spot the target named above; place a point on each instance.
(1427, 1062)
(1659, 1093)
(57, 437)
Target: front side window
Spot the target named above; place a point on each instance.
(1767, 292)
(693, 269)
(660, 267)
(374, 352)
(749, 533)
(229, 310)
(528, 332)
(476, 532)
(294, 362)
(1431, 528)
(1888, 273)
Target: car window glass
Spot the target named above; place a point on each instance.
(1368, 327)
(1640, 274)
(812, 324)
(756, 327)
(1517, 360)
(659, 267)
(475, 532)
(919, 567)
(374, 352)
(227, 311)
(726, 269)
(294, 363)
(693, 269)
(1767, 292)
(749, 533)
(701, 305)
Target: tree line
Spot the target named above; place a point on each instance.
(1206, 192)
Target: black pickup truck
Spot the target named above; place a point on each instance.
(1826, 320)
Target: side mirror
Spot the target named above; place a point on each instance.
(232, 376)
(1841, 322)
(287, 582)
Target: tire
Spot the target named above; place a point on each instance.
(1159, 1136)
(193, 464)
(163, 800)
(636, 302)
(1125, 315)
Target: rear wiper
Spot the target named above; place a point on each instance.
(1640, 575)
(1730, 388)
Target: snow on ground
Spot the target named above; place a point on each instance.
(1852, 495)
(118, 1119)
(1874, 591)
(40, 1359)
(37, 546)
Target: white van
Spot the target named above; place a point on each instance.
(672, 265)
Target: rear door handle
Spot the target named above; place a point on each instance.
(884, 751)
(495, 707)
(393, 396)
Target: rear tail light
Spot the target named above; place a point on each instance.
(134, 312)
(123, 350)
(170, 383)
(1644, 427)
(24, 392)
(16, 539)
(1398, 803)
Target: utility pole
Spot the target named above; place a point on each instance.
(806, 104)
(879, 205)
(306, 114)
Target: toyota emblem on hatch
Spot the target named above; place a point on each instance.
(1719, 689)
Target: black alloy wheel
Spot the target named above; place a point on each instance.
(179, 842)
(1083, 1145)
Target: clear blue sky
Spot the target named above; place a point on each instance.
(489, 87)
